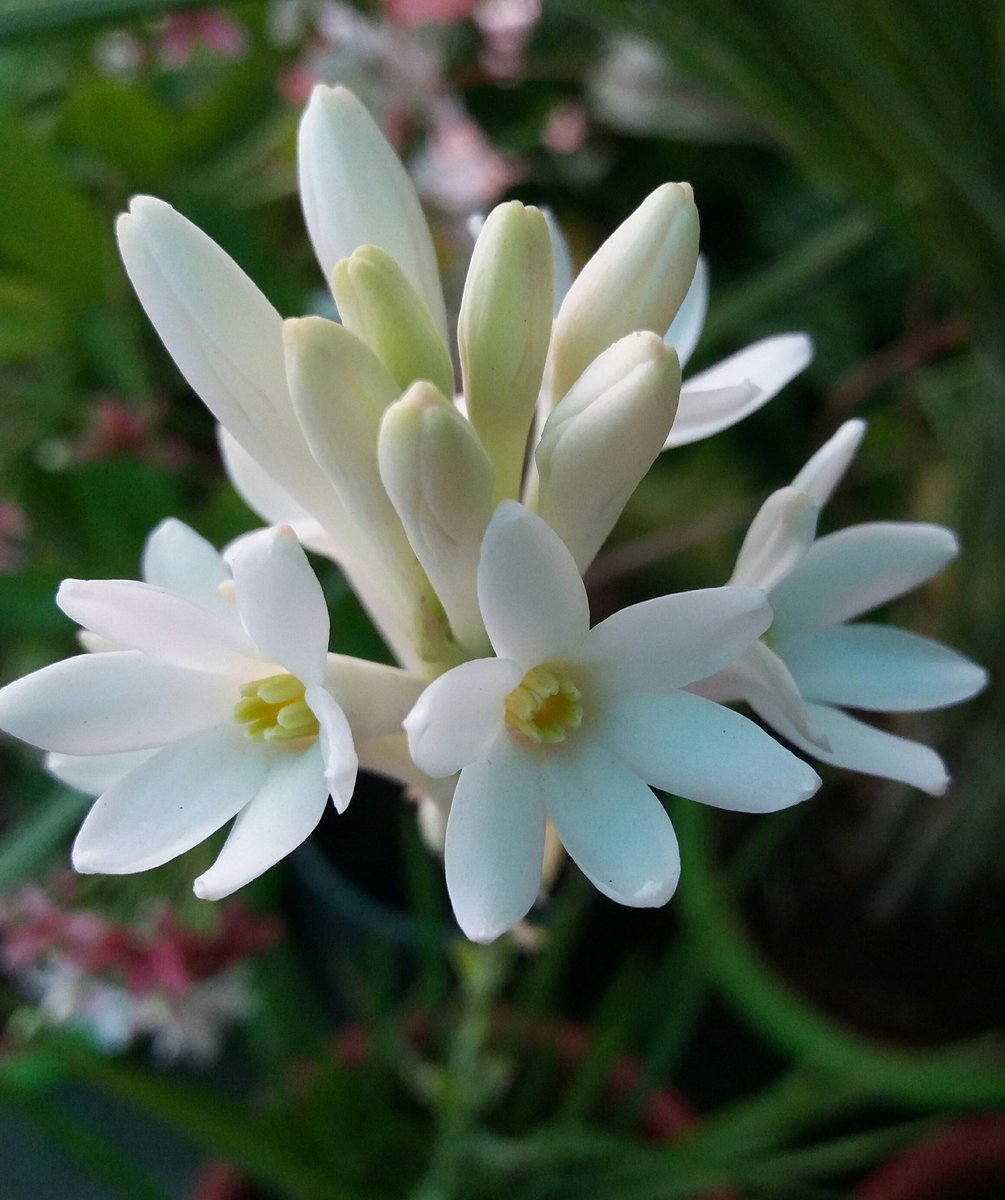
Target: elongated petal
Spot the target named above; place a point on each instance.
(226, 339)
(494, 847)
(355, 192)
(685, 329)
(826, 468)
(460, 715)
(269, 501)
(107, 703)
(281, 603)
(281, 814)
(663, 644)
(760, 673)
(338, 754)
(880, 668)
(94, 773)
(168, 627)
(696, 748)
(857, 746)
(170, 803)
(614, 828)
(778, 539)
(592, 459)
(715, 399)
(531, 595)
(561, 257)
(857, 569)
(177, 558)
(636, 280)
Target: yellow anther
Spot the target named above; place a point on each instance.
(274, 710)
(227, 591)
(545, 707)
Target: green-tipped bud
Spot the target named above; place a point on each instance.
(503, 333)
(603, 437)
(378, 304)
(636, 280)
(439, 480)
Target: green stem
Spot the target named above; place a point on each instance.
(462, 1093)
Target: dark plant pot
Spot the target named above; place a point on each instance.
(966, 1161)
(665, 1116)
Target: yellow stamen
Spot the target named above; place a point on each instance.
(545, 707)
(274, 710)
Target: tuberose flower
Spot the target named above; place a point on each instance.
(578, 724)
(228, 699)
(817, 659)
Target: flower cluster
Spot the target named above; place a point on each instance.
(464, 519)
(125, 981)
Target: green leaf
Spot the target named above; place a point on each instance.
(49, 228)
(30, 323)
(27, 848)
(124, 126)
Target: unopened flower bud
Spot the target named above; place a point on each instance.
(379, 305)
(503, 333)
(439, 480)
(636, 280)
(602, 439)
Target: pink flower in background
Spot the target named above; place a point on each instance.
(122, 981)
(458, 168)
(506, 27)
(209, 29)
(413, 14)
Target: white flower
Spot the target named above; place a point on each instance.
(233, 698)
(575, 724)
(813, 663)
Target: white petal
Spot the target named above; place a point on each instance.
(355, 192)
(281, 603)
(226, 339)
(374, 697)
(760, 673)
(826, 468)
(337, 750)
(696, 748)
(107, 703)
(856, 569)
(717, 398)
(177, 558)
(614, 828)
(168, 627)
(880, 668)
(861, 747)
(170, 803)
(532, 599)
(94, 773)
(268, 500)
(663, 644)
(282, 813)
(561, 257)
(778, 539)
(460, 715)
(494, 847)
(685, 329)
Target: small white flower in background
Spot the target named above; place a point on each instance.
(574, 724)
(225, 706)
(816, 660)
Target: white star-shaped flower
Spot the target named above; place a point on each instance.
(817, 659)
(224, 705)
(576, 724)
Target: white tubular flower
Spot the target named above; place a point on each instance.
(355, 192)
(814, 662)
(576, 724)
(232, 698)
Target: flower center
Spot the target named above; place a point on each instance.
(274, 710)
(544, 707)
